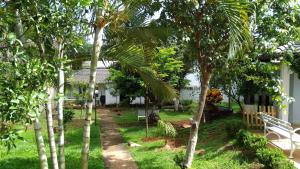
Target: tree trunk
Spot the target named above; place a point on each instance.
(51, 136)
(40, 144)
(61, 135)
(196, 120)
(229, 98)
(146, 113)
(19, 27)
(88, 115)
(176, 104)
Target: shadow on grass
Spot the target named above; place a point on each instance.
(33, 163)
(73, 139)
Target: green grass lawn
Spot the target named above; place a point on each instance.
(153, 155)
(235, 107)
(129, 116)
(25, 156)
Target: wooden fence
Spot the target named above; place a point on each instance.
(251, 114)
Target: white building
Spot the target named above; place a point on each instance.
(291, 85)
(80, 79)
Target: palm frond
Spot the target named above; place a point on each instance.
(132, 58)
(237, 14)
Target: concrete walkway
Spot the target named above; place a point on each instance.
(115, 152)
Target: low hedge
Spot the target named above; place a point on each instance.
(233, 126)
(270, 157)
(273, 158)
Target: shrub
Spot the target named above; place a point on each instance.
(273, 158)
(186, 102)
(250, 141)
(214, 96)
(153, 118)
(166, 128)
(232, 127)
(179, 159)
(68, 116)
(269, 157)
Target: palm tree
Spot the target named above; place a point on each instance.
(216, 30)
(113, 14)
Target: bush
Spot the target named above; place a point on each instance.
(68, 115)
(186, 102)
(179, 159)
(269, 157)
(214, 96)
(153, 118)
(274, 158)
(232, 127)
(250, 141)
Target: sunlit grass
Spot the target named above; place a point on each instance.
(152, 155)
(25, 155)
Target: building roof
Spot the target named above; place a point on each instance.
(83, 76)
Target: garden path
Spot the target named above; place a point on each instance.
(115, 152)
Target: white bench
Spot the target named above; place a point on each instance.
(280, 128)
(141, 114)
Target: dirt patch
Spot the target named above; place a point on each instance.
(174, 143)
(152, 139)
(181, 124)
(76, 123)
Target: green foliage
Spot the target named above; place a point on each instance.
(186, 102)
(179, 159)
(274, 158)
(166, 129)
(250, 141)
(232, 127)
(169, 66)
(270, 157)
(23, 91)
(68, 115)
(128, 84)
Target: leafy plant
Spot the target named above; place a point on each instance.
(186, 102)
(68, 116)
(179, 159)
(250, 141)
(153, 118)
(232, 127)
(274, 158)
(166, 128)
(270, 157)
(214, 96)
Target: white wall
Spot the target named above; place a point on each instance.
(138, 100)
(294, 108)
(110, 99)
(285, 77)
(189, 94)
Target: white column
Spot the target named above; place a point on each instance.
(285, 77)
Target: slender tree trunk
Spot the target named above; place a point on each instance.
(19, 27)
(229, 98)
(146, 113)
(88, 115)
(176, 104)
(40, 144)
(51, 135)
(61, 135)
(196, 120)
